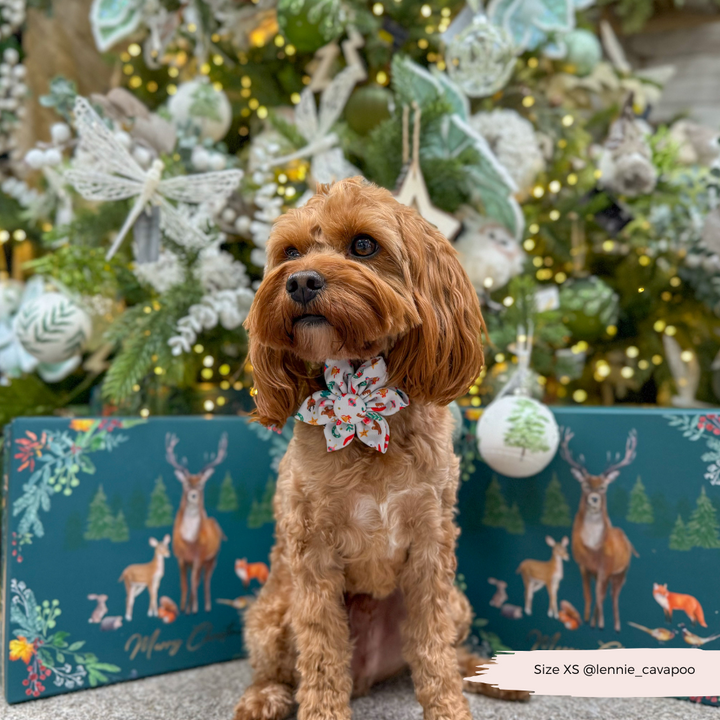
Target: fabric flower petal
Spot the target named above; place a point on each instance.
(338, 435)
(337, 375)
(387, 401)
(309, 412)
(374, 432)
(371, 374)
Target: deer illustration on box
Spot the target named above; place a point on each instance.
(601, 551)
(538, 573)
(196, 537)
(146, 575)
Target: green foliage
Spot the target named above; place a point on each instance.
(556, 511)
(702, 529)
(514, 523)
(61, 96)
(160, 512)
(228, 501)
(261, 511)
(120, 532)
(100, 522)
(495, 505)
(26, 396)
(679, 539)
(640, 510)
(142, 332)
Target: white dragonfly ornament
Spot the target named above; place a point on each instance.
(105, 171)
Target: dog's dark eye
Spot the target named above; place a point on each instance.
(292, 253)
(363, 246)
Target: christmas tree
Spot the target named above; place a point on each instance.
(679, 538)
(495, 506)
(120, 532)
(261, 511)
(100, 521)
(228, 501)
(513, 521)
(702, 529)
(581, 212)
(640, 510)
(527, 428)
(160, 512)
(556, 511)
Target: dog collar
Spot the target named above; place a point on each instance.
(354, 404)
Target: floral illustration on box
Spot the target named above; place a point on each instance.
(54, 459)
(695, 427)
(47, 652)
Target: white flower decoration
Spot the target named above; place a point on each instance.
(354, 404)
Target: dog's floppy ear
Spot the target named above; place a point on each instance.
(280, 384)
(439, 359)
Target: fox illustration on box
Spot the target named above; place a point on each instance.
(670, 601)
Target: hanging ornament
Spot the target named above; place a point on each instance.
(310, 24)
(531, 22)
(109, 173)
(517, 435)
(588, 307)
(481, 58)
(626, 164)
(488, 251)
(685, 370)
(198, 103)
(52, 327)
(367, 107)
(583, 51)
(413, 191)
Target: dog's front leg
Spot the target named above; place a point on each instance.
(320, 624)
(429, 632)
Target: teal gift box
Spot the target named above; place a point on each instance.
(97, 511)
(651, 476)
(94, 512)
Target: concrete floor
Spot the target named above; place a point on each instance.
(209, 693)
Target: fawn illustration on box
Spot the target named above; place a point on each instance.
(616, 527)
(103, 515)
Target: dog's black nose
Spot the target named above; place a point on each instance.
(303, 286)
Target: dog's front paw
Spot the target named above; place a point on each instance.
(268, 701)
(492, 691)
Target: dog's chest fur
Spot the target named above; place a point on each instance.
(370, 506)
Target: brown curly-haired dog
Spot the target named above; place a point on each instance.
(362, 573)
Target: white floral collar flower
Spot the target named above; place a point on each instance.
(354, 404)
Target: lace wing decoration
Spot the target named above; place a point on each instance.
(105, 171)
(327, 161)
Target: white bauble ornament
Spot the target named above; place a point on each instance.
(517, 436)
(35, 158)
(481, 58)
(59, 132)
(200, 104)
(52, 327)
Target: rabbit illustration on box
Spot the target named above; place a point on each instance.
(101, 608)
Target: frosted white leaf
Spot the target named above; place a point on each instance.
(306, 119)
(331, 166)
(335, 97)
